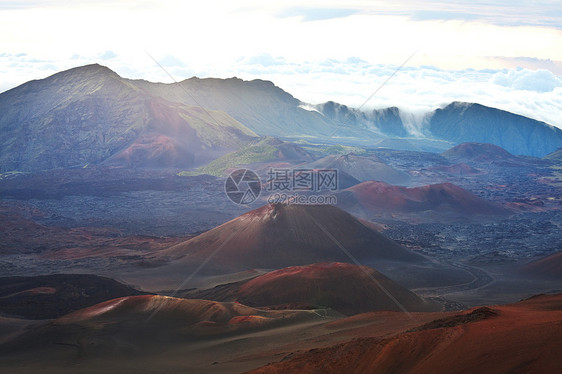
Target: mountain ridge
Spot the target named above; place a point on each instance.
(462, 122)
(90, 114)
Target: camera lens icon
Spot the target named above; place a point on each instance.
(242, 186)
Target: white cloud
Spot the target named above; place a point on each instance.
(528, 80)
(340, 50)
(536, 94)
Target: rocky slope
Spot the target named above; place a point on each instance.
(90, 115)
(519, 338)
(467, 122)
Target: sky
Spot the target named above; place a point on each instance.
(505, 54)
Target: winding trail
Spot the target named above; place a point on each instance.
(480, 279)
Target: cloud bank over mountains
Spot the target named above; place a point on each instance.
(499, 53)
(533, 93)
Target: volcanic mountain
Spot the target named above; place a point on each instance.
(546, 267)
(280, 235)
(481, 153)
(91, 115)
(520, 338)
(361, 168)
(260, 105)
(347, 288)
(456, 123)
(381, 198)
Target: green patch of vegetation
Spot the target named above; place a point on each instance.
(213, 127)
(303, 141)
(556, 178)
(188, 173)
(11, 174)
(344, 150)
(334, 149)
(555, 156)
(259, 151)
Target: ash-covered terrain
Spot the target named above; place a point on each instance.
(120, 240)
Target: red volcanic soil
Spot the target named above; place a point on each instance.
(546, 267)
(161, 148)
(147, 319)
(188, 312)
(40, 291)
(146, 334)
(279, 235)
(521, 338)
(173, 135)
(154, 151)
(526, 205)
(444, 197)
(347, 288)
(170, 310)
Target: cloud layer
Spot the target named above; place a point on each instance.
(501, 53)
(533, 93)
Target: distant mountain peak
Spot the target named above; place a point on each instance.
(88, 114)
(87, 70)
(461, 122)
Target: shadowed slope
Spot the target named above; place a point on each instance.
(461, 122)
(481, 153)
(51, 296)
(361, 168)
(89, 115)
(546, 267)
(148, 323)
(554, 156)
